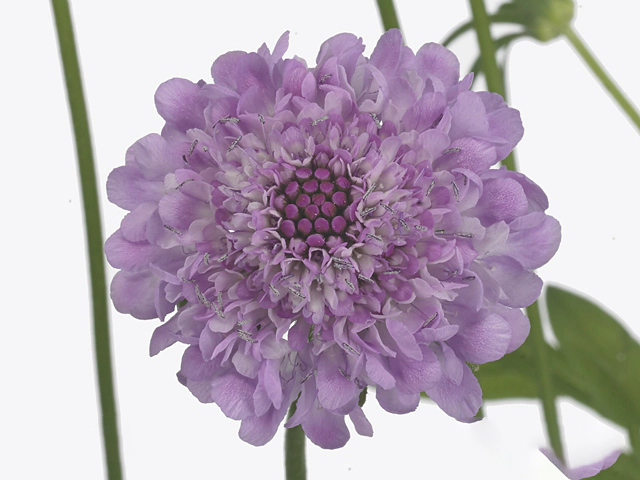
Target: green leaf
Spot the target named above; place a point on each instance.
(625, 468)
(598, 362)
(510, 377)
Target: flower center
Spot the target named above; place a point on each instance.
(312, 205)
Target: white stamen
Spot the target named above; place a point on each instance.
(193, 146)
(368, 192)
(186, 181)
(387, 208)
(368, 211)
(350, 349)
(365, 279)
(375, 237)
(296, 292)
(174, 230)
(430, 320)
(433, 184)
(351, 285)
(246, 336)
(234, 143)
(321, 119)
(376, 120)
(391, 272)
(201, 297)
(451, 150)
(456, 192)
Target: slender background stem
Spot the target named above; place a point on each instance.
(294, 451)
(388, 14)
(495, 83)
(493, 73)
(545, 381)
(84, 152)
(602, 75)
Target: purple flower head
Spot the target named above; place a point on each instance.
(311, 232)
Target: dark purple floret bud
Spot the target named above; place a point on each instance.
(318, 199)
(327, 188)
(305, 227)
(310, 186)
(304, 173)
(328, 209)
(339, 198)
(312, 212)
(343, 183)
(303, 200)
(292, 212)
(288, 228)
(338, 224)
(321, 225)
(322, 174)
(315, 240)
(292, 190)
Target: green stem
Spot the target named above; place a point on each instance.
(603, 76)
(545, 381)
(388, 14)
(84, 152)
(481, 22)
(294, 451)
(492, 72)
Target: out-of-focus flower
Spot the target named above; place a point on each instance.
(325, 229)
(586, 471)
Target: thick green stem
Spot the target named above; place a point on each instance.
(482, 25)
(602, 75)
(84, 152)
(388, 14)
(495, 83)
(294, 451)
(493, 73)
(545, 381)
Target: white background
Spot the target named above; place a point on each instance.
(577, 146)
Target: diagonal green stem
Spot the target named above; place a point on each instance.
(388, 14)
(84, 151)
(294, 451)
(493, 74)
(602, 75)
(545, 381)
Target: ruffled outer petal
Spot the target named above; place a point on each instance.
(463, 401)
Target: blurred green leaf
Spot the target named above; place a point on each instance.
(598, 362)
(625, 468)
(510, 377)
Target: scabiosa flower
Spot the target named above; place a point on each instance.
(315, 231)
